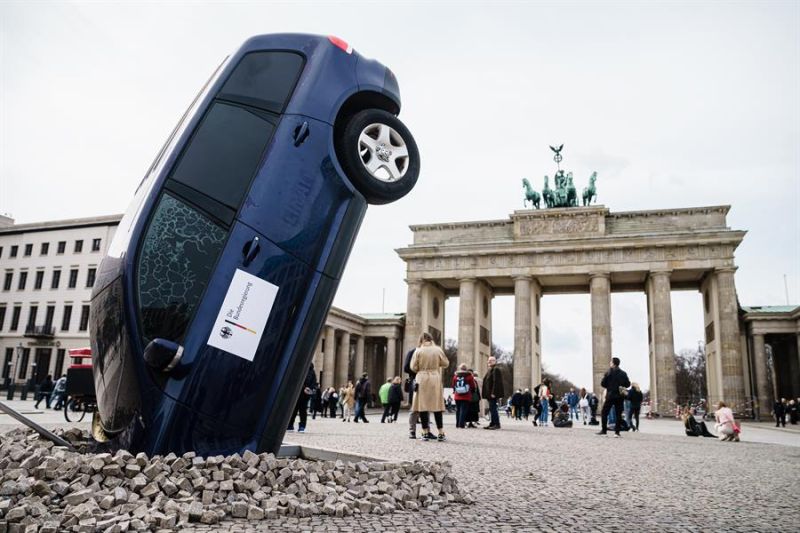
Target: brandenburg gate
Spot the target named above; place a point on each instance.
(582, 250)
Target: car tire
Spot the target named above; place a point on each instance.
(379, 155)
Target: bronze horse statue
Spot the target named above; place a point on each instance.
(572, 193)
(530, 195)
(547, 194)
(590, 192)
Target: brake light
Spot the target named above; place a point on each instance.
(340, 43)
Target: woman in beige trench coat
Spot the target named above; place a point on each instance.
(428, 361)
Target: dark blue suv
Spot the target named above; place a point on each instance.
(206, 311)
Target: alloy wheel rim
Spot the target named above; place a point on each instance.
(383, 152)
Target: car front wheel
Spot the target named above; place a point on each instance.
(379, 156)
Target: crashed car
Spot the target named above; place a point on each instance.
(207, 308)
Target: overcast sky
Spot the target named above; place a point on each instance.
(673, 104)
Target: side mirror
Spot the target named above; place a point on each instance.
(163, 355)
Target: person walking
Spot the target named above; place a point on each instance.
(301, 408)
(493, 391)
(516, 404)
(363, 394)
(348, 401)
(383, 396)
(428, 361)
(463, 387)
(46, 389)
(324, 404)
(395, 398)
(792, 412)
(544, 401)
(594, 403)
(527, 402)
(635, 396)
(583, 406)
(614, 381)
(333, 402)
(59, 392)
(779, 410)
(316, 403)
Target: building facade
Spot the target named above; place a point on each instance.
(47, 271)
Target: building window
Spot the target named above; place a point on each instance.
(37, 282)
(67, 318)
(95, 245)
(32, 316)
(45, 248)
(90, 275)
(59, 368)
(73, 278)
(28, 249)
(48, 317)
(56, 279)
(23, 279)
(78, 246)
(14, 249)
(62, 245)
(15, 318)
(23, 364)
(2, 317)
(7, 362)
(7, 281)
(84, 325)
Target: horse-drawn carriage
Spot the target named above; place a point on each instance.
(81, 396)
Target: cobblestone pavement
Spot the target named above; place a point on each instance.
(548, 479)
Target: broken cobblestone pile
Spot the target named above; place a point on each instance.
(45, 488)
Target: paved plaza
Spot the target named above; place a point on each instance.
(548, 479)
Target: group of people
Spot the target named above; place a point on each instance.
(783, 409)
(52, 393)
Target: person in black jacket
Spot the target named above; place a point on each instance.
(613, 381)
(413, 416)
(779, 409)
(301, 407)
(493, 391)
(635, 396)
(395, 398)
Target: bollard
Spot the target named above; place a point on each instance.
(24, 395)
(10, 394)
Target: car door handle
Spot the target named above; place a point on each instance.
(250, 250)
(301, 133)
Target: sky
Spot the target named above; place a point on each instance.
(674, 104)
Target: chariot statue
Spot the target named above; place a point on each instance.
(564, 193)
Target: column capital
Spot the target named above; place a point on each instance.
(725, 270)
(606, 275)
(467, 280)
(660, 272)
(522, 277)
(413, 281)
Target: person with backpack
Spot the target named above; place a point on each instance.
(527, 402)
(363, 395)
(463, 387)
(616, 383)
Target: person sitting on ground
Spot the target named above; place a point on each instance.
(726, 425)
(561, 417)
(692, 427)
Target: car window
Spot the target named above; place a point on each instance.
(225, 152)
(263, 79)
(175, 263)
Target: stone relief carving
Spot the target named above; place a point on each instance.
(550, 225)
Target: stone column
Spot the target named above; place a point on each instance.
(663, 343)
(343, 360)
(391, 358)
(466, 321)
(522, 332)
(600, 289)
(413, 314)
(763, 392)
(318, 355)
(329, 357)
(729, 357)
(359, 367)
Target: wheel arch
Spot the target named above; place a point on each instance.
(360, 101)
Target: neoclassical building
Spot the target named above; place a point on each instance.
(593, 250)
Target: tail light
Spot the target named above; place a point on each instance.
(340, 43)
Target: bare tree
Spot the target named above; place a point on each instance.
(690, 375)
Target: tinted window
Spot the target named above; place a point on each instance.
(224, 153)
(264, 79)
(175, 263)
